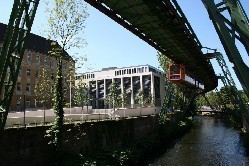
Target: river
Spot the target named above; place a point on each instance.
(210, 142)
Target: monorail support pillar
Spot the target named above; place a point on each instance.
(18, 30)
(229, 31)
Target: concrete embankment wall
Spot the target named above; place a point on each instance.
(28, 146)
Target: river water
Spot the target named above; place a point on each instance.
(210, 142)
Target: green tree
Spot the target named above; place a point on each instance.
(82, 95)
(201, 101)
(43, 90)
(226, 94)
(244, 98)
(66, 22)
(165, 62)
(125, 99)
(140, 98)
(148, 99)
(114, 99)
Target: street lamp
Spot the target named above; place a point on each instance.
(24, 108)
(70, 88)
(70, 93)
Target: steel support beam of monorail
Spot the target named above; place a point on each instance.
(17, 32)
(228, 81)
(229, 31)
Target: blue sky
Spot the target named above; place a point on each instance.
(109, 44)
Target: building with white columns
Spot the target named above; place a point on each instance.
(130, 80)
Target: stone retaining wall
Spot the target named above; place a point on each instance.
(28, 146)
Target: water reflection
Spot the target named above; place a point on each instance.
(210, 142)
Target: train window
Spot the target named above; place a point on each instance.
(174, 69)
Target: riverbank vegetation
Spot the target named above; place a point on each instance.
(234, 104)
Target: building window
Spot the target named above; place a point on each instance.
(8, 71)
(52, 64)
(20, 73)
(65, 79)
(28, 87)
(45, 61)
(65, 65)
(27, 103)
(28, 72)
(18, 102)
(29, 58)
(18, 86)
(36, 73)
(37, 59)
(77, 77)
(135, 70)
(129, 71)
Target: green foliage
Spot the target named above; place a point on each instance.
(65, 23)
(164, 61)
(67, 105)
(148, 100)
(58, 107)
(122, 156)
(82, 94)
(201, 101)
(125, 100)
(139, 99)
(43, 87)
(113, 98)
(213, 99)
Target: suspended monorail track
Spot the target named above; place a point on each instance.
(162, 24)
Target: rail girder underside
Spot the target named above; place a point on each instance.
(159, 24)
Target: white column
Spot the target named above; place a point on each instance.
(122, 85)
(122, 89)
(104, 89)
(132, 99)
(141, 83)
(97, 96)
(141, 86)
(105, 94)
(152, 87)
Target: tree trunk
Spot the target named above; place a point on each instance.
(58, 106)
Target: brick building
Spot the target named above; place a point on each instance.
(36, 59)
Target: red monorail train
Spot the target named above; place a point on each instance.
(179, 74)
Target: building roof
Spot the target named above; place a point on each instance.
(35, 43)
(120, 68)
